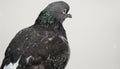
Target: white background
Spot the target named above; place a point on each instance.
(93, 32)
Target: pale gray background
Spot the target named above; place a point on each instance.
(93, 32)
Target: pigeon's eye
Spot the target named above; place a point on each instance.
(65, 11)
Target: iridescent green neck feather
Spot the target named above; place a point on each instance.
(45, 17)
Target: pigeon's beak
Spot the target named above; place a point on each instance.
(68, 16)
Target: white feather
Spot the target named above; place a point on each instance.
(64, 39)
(12, 65)
(28, 59)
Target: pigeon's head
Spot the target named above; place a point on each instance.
(59, 10)
(56, 11)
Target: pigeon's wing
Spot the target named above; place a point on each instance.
(14, 51)
(24, 47)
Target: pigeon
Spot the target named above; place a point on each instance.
(43, 45)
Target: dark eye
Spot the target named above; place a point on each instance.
(65, 11)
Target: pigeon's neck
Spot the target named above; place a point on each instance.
(45, 17)
(46, 20)
(56, 26)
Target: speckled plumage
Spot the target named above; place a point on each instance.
(43, 45)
